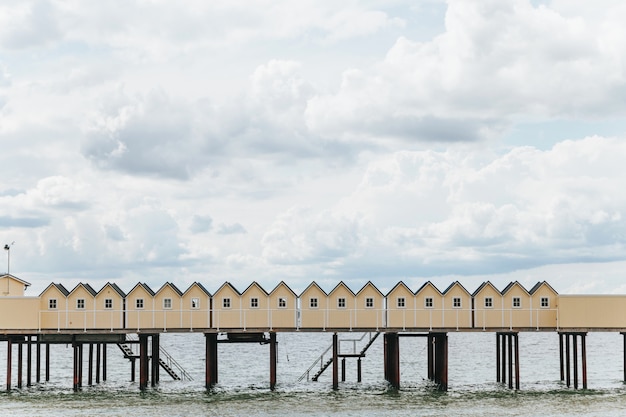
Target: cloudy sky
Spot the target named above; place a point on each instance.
(316, 140)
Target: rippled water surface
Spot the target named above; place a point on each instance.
(243, 387)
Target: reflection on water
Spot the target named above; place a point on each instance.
(244, 381)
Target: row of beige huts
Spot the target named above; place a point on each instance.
(169, 308)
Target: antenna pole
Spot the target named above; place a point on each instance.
(8, 249)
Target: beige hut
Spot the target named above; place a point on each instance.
(81, 307)
(313, 307)
(283, 307)
(543, 301)
(401, 311)
(488, 312)
(516, 306)
(109, 307)
(370, 308)
(429, 307)
(227, 305)
(53, 307)
(341, 307)
(255, 307)
(196, 307)
(16, 310)
(168, 303)
(457, 307)
(140, 307)
(12, 286)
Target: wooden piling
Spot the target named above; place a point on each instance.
(76, 372)
(624, 352)
(498, 357)
(575, 359)
(509, 338)
(567, 360)
(441, 360)
(561, 356)
(47, 362)
(358, 370)
(29, 358)
(98, 361)
(19, 363)
(104, 362)
(38, 361)
(273, 360)
(335, 360)
(9, 364)
(143, 361)
(430, 341)
(210, 360)
(503, 366)
(583, 352)
(516, 337)
(155, 360)
(90, 365)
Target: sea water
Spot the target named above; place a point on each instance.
(243, 388)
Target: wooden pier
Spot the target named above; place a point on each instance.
(33, 351)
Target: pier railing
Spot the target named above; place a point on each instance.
(296, 319)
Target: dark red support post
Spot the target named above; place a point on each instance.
(516, 337)
(561, 356)
(273, 360)
(210, 360)
(80, 365)
(155, 359)
(9, 364)
(38, 360)
(19, 363)
(430, 341)
(98, 361)
(104, 362)
(575, 358)
(29, 359)
(75, 367)
(335, 361)
(441, 345)
(143, 361)
(385, 357)
(392, 360)
(584, 358)
(567, 361)
(90, 365)
(497, 357)
(624, 335)
(510, 359)
(47, 362)
(503, 357)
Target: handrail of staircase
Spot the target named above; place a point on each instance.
(170, 361)
(319, 360)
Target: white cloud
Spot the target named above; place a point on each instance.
(496, 63)
(310, 140)
(427, 212)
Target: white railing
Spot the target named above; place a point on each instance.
(281, 318)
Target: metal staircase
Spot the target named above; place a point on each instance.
(166, 361)
(325, 364)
